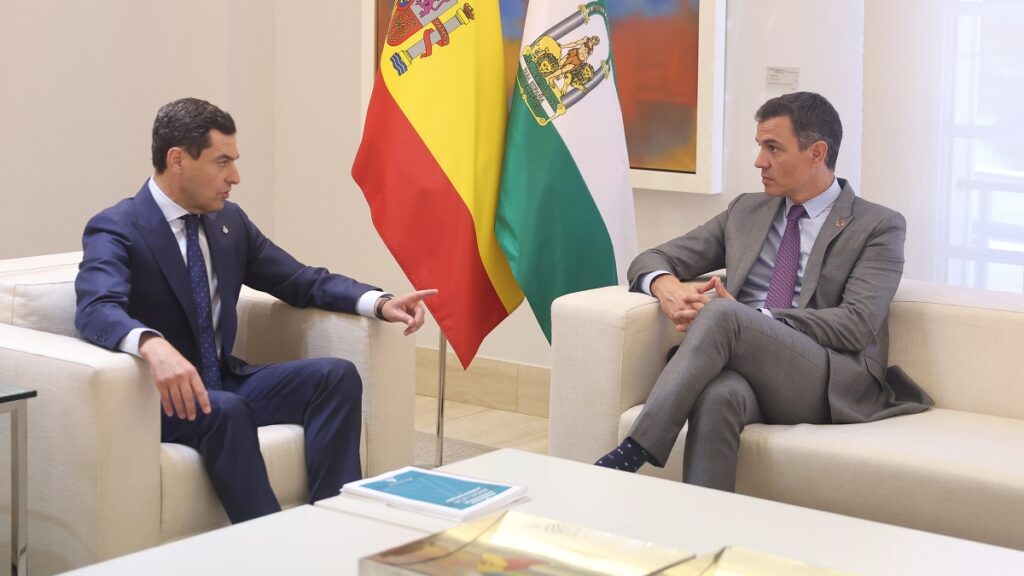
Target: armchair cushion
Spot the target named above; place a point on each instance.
(41, 297)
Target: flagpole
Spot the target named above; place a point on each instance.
(442, 352)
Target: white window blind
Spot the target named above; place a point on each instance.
(983, 141)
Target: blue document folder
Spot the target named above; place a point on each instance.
(436, 492)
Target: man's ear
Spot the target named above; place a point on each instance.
(819, 151)
(175, 158)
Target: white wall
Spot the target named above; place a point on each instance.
(903, 77)
(80, 83)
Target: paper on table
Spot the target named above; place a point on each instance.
(438, 493)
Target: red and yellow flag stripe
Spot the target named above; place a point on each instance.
(430, 164)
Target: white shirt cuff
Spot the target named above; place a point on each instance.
(130, 343)
(366, 302)
(645, 284)
(766, 312)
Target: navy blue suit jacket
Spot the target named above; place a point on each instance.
(132, 275)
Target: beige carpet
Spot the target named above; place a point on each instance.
(454, 450)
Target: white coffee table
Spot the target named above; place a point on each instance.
(330, 537)
(703, 520)
(302, 540)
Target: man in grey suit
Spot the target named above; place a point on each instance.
(813, 269)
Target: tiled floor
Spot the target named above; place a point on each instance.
(486, 426)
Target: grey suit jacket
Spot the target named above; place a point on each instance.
(849, 282)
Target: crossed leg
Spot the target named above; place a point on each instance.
(786, 373)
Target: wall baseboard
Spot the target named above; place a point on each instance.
(497, 384)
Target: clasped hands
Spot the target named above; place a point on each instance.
(680, 302)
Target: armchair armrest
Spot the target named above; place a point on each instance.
(93, 444)
(271, 331)
(608, 347)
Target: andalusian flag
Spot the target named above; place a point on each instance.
(565, 215)
(430, 161)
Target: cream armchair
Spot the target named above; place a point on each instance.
(100, 482)
(956, 469)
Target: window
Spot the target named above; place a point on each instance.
(983, 171)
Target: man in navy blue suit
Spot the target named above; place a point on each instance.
(160, 279)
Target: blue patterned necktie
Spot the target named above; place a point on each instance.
(787, 261)
(209, 361)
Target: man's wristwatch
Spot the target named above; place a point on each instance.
(378, 308)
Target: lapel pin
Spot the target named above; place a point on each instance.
(839, 223)
(224, 229)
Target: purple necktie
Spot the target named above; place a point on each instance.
(209, 369)
(787, 262)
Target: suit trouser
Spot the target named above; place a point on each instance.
(735, 367)
(323, 394)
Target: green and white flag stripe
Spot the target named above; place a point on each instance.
(565, 214)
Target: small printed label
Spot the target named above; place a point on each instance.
(782, 78)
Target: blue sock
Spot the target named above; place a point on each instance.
(629, 456)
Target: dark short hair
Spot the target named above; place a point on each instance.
(186, 123)
(813, 119)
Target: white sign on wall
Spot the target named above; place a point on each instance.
(782, 79)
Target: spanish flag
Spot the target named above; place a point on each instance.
(430, 161)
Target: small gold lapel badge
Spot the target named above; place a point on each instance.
(841, 222)
(224, 229)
